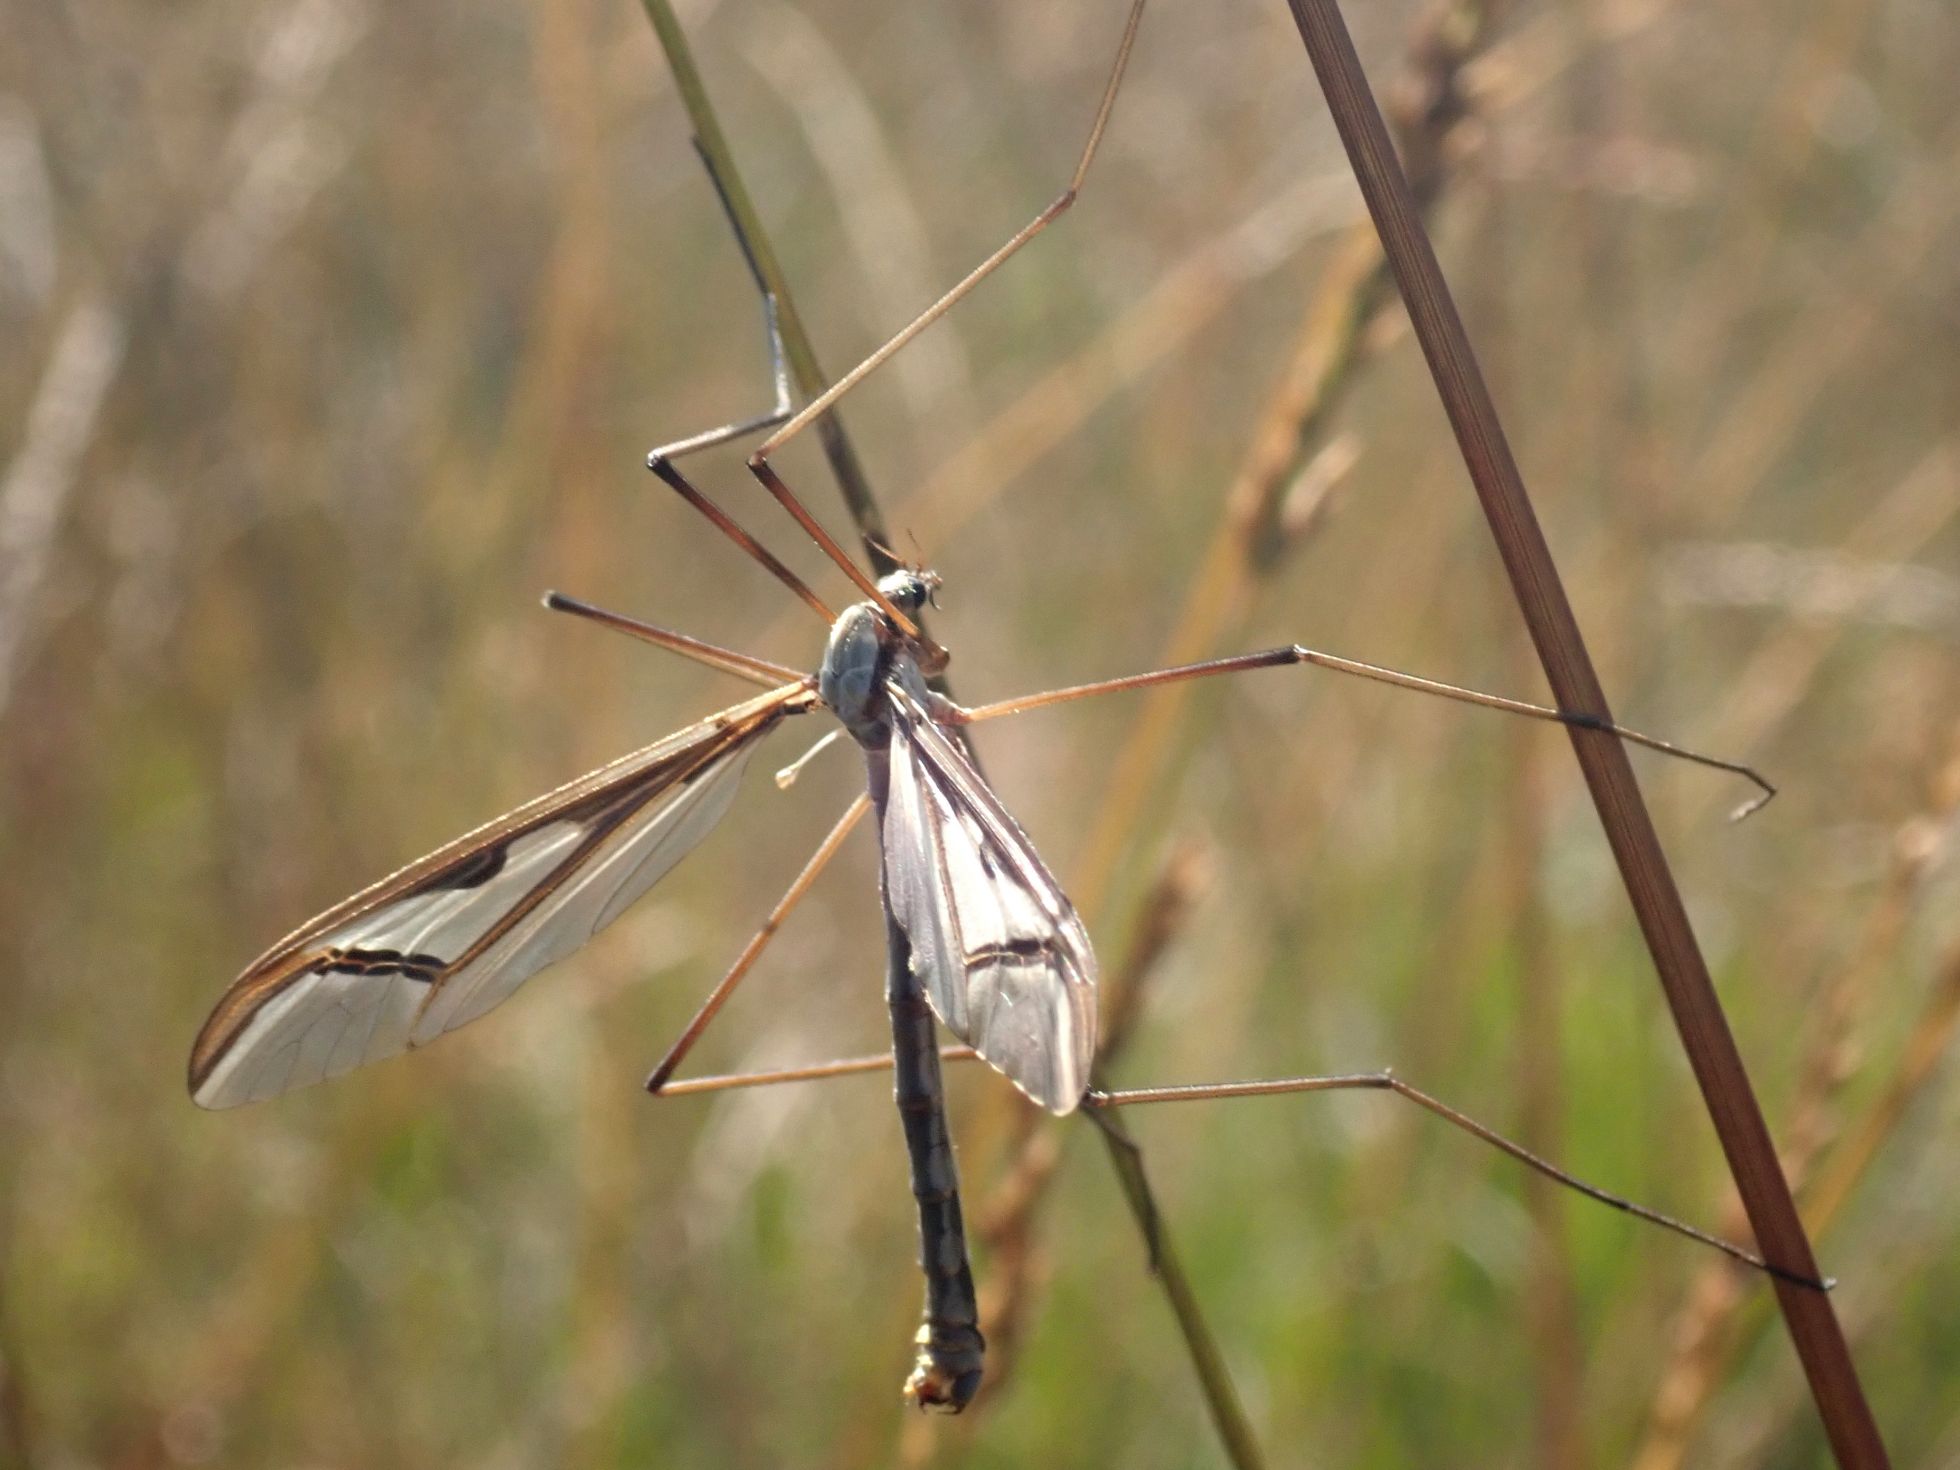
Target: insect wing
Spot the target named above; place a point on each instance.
(1005, 962)
(441, 942)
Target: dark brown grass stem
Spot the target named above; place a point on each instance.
(1715, 1326)
(1827, 1155)
(1704, 1031)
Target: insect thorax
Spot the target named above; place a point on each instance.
(863, 652)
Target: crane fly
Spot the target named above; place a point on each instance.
(980, 935)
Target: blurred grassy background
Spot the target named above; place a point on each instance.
(335, 334)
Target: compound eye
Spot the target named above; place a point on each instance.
(908, 589)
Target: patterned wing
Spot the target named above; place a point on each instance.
(1005, 961)
(436, 945)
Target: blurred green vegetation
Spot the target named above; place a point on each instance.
(335, 332)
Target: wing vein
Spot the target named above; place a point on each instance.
(1005, 961)
(441, 941)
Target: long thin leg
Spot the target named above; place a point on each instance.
(1389, 1082)
(861, 579)
(742, 665)
(951, 713)
(823, 401)
(821, 1071)
(778, 356)
(661, 459)
(1362, 1081)
(657, 1081)
(742, 428)
(759, 460)
(728, 527)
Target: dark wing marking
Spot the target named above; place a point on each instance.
(1005, 961)
(437, 944)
